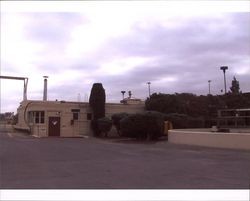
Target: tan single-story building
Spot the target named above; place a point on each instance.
(65, 119)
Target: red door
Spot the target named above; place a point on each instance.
(54, 126)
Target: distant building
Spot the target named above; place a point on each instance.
(131, 101)
(65, 119)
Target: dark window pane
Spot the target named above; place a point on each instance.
(37, 117)
(75, 116)
(42, 118)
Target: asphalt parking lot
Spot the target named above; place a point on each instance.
(90, 163)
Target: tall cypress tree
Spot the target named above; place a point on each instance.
(97, 103)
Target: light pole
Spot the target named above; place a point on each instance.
(209, 92)
(149, 89)
(123, 92)
(224, 68)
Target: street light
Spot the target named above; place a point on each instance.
(123, 92)
(224, 68)
(209, 92)
(149, 88)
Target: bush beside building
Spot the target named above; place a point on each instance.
(143, 126)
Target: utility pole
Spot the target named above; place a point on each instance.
(209, 91)
(224, 68)
(149, 89)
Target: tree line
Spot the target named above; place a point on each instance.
(194, 105)
(199, 106)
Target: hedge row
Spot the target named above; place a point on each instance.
(147, 125)
(116, 118)
(144, 126)
(184, 121)
(144, 121)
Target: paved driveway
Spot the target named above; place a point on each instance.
(79, 163)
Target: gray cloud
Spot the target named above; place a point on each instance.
(192, 52)
(52, 28)
(52, 33)
(229, 34)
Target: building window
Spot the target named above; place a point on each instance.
(36, 117)
(75, 113)
(42, 117)
(89, 116)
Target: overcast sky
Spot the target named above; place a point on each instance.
(177, 47)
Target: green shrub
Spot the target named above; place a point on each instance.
(104, 125)
(116, 118)
(132, 126)
(180, 121)
(147, 125)
(155, 124)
